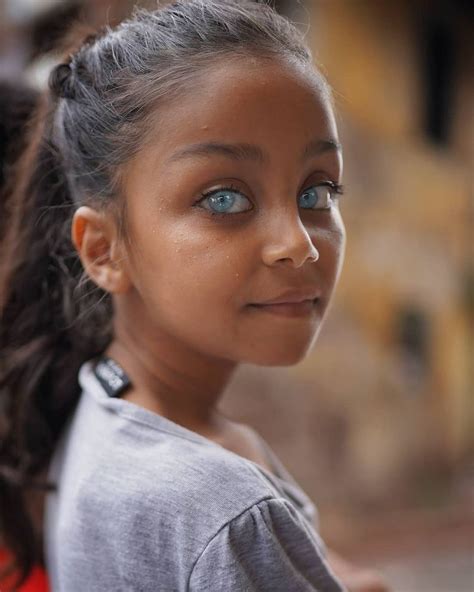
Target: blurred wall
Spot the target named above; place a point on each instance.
(379, 416)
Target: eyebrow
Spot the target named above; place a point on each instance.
(251, 152)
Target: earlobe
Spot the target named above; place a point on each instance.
(94, 237)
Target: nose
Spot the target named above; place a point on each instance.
(290, 243)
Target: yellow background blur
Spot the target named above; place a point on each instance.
(377, 423)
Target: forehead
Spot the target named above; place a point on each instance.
(251, 100)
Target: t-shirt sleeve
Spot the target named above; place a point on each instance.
(267, 548)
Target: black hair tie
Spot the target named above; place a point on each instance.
(61, 81)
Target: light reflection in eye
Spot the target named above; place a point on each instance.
(322, 196)
(224, 199)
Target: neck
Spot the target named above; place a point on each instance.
(171, 379)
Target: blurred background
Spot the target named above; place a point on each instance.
(377, 423)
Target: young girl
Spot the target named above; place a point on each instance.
(176, 214)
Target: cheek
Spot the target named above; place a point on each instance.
(189, 271)
(330, 241)
(338, 244)
(339, 235)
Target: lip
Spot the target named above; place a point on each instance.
(293, 296)
(293, 302)
(289, 309)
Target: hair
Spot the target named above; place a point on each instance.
(91, 121)
(17, 102)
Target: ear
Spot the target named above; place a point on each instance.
(94, 235)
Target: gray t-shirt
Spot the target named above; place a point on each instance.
(144, 504)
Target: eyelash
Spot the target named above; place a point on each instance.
(336, 187)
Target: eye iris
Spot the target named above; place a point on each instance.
(310, 197)
(222, 200)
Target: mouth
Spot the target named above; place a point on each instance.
(289, 309)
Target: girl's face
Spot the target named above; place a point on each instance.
(259, 141)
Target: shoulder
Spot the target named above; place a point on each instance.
(183, 496)
(208, 476)
(174, 480)
(243, 440)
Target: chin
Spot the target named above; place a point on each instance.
(284, 355)
(281, 341)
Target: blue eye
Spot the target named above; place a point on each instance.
(320, 197)
(224, 201)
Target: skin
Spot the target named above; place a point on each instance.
(182, 346)
(182, 281)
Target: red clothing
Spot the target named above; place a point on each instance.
(37, 582)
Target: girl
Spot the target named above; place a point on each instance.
(176, 214)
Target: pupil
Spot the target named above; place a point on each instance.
(223, 200)
(310, 196)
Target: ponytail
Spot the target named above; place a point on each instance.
(41, 343)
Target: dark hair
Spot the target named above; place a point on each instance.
(17, 102)
(90, 122)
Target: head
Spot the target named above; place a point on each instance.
(254, 131)
(185, 167)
